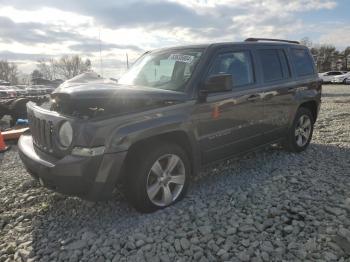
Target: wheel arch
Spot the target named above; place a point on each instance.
(179, 137)
(312, 105)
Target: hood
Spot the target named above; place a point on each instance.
(101, 99)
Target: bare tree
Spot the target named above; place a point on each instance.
(8, 72)
(326, 56)
(306, 41)
(48, 69)
(65, 67)
(36, 74)
(346, 56)
(72, 66)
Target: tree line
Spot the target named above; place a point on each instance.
(328, 57)
(64, 68)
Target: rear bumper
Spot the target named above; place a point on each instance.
(92, 178)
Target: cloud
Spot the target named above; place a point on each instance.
(137, 25)
(7, 55)
(95, 45)
(37, 33)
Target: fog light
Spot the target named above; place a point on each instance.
(84, 151)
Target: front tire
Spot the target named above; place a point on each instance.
(157, 177)
(300, 134)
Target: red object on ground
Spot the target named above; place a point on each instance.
(13, 134)
(3, 146)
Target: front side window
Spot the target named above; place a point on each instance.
(169, 70)
(302, 62)
(238, 64)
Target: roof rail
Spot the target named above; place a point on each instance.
(270, 39)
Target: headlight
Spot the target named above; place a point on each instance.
(65, 134)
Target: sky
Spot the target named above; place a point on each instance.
(43, 29)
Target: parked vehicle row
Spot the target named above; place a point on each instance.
(7, 92)
(335, 77)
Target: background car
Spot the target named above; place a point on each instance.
(35, 90)
(11, 92)
(340, 79)
(328, 76)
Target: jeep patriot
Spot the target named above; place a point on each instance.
(174, 111)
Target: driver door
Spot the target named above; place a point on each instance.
(230, 123)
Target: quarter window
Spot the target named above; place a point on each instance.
(302, 62)
(238, 64)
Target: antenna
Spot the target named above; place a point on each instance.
(127, 61)
(99, 39)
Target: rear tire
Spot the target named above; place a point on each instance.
(157, 177)
(300, 133)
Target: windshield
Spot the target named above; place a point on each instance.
(169, 70)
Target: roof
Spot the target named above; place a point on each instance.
(223, 44)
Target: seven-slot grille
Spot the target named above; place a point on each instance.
(41, 130)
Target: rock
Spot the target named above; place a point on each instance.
(247, 229)
(177, 245)
(231, 231)
(198, 255)
(311, 245)
(245, 242)
(24, 254)
(79, 244)
(333, 211)
(343, 232)
(88, 235)
(243, 256)
(185, 244)
(221, 252)
(329, 256)
(267, 247)
(205, 230)
(343, 243)
(11, 248)
(288, 229)
(140, 243)
(140, 236)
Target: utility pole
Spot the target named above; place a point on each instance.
(99, 38)
(127, 61)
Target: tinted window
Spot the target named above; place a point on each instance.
(238, 64)
(302, 61)
(271, 65)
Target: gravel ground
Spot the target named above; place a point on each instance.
(267, 206)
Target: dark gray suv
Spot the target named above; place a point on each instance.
(175, 110)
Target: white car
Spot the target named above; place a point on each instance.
(327, 77)
(340, 79)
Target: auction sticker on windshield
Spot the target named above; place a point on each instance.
(181, 58)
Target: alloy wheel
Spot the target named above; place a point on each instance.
(166, 180)
(303, 130)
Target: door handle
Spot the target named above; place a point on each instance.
(253, 97)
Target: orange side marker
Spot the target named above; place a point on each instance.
(3, 146)
(215, 114)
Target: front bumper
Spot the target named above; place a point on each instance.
(92, 178)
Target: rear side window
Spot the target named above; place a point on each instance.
(238, 64)
(302, 62)
(274, 64)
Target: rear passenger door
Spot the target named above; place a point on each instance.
(278, 90)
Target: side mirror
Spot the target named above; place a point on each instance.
(218, 83)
